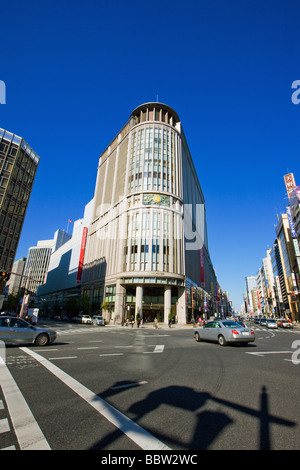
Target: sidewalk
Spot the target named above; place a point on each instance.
(161, 326)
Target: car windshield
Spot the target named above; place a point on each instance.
(231, 324)
(271, 321)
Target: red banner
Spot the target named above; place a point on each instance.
(81, 257)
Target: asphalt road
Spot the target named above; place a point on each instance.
(123, 388)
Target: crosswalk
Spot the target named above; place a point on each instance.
(6, 433)
(71, 330)
(92, 329)
(279, 330)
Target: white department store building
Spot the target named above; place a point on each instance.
(147, 249)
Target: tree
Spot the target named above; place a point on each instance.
(84, 303)
(137, 317)
(171, 316)
(12, 302)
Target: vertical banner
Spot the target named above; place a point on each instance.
(290, 183)
(81, 256)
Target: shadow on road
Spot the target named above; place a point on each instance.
(209, 423)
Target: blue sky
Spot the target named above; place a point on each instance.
(75, 70)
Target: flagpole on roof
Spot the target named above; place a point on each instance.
(69, 222)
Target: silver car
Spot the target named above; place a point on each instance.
(223, 332)
(17, 331)
(271, 323)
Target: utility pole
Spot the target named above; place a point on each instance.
(25, 296)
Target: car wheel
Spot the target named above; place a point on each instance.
(222, 341)
(197, 337)
(42, 340)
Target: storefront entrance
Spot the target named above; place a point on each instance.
(149, 314)
(151, 303)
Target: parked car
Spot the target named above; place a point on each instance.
(224, 332)
(18, 331)
(85, 319)
(271, 323)
(285, 324)
(98, 320)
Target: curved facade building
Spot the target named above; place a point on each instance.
(147, 249)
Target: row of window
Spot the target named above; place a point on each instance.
(148, 241)
(152, 160)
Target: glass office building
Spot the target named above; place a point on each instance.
(18, 166)
(147, 250)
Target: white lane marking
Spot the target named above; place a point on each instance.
(62, 357)
(269, 352)
(140, 436)
(28, 432)
(159, 348)
(4, 425)
(134, 384)
(111, 354)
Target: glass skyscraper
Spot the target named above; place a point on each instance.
(18, 166)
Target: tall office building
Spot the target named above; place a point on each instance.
(18, 166)
(295, 211)
(14, 284)
(251, 288)
(147, 249)
(290, 270)
(38, 259)
(64, 275)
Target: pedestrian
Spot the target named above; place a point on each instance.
(155, 323)
(132, 321)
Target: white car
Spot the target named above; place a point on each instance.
(98, 320)
(271, 323)
(85, 319)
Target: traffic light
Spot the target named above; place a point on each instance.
(4, 276)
